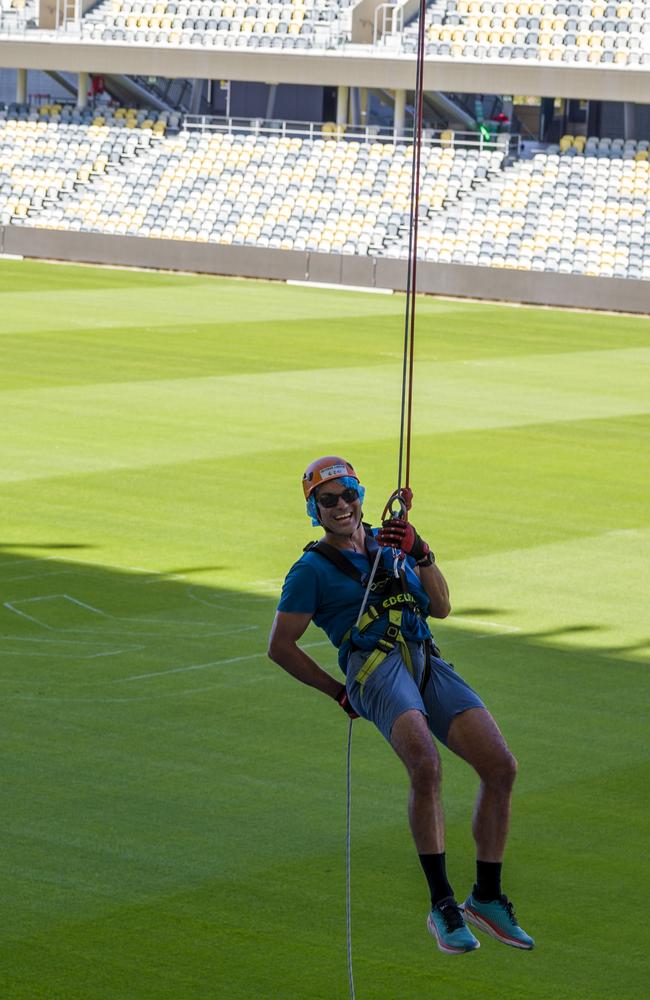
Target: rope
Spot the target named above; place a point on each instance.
(348, 847)
(405, 423)
(348, 893)
(406, 411)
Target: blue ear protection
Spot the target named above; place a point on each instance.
(312, 506)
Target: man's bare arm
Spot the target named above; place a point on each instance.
(283, 649)
(437, 590)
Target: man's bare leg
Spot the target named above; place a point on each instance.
(475, 736)
(412, 742)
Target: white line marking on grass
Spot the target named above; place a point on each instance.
(20, 654)
(184, 621)
(480, 621)
(114, 652)
(151, 696)
(214, 604)
(23, 614)
(210, 663)
(199, 636)
(339, 288)
(88, 607)
(11, 605)
(34, 576)
(52, 642)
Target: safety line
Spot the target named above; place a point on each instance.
(406, 412)
(348, 846)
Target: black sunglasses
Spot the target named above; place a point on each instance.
(349, 495)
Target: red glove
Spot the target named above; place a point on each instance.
(344, 702)
(402, 535)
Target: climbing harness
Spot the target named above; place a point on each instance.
(393, 598)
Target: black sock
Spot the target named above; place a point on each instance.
(488, 881)
(435, 871)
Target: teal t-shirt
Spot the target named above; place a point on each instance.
(315, 586)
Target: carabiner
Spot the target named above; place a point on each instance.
(402, 511)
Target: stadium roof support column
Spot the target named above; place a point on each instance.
(21, 86)
(196, 96)
(82, 89)
(363, 106)
(342, 95)
(400, 112)
(270, 101)
(355, 107)
(629, 120)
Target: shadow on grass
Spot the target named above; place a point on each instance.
(167, 788)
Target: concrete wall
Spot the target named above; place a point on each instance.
(47, 12)
(331, 68)
(363, 21)
(532, 287)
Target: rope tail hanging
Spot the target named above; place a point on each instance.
(404, 462)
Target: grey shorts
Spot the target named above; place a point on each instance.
(391, 690)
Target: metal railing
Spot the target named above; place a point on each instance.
(446, 138)
(68, 15)
(388, 24)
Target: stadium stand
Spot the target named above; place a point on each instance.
(286, 24)
(584, 31)
(17, 14)
(288, 192)
(582, 207)
(47, 153)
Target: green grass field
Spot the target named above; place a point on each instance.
(173, 821)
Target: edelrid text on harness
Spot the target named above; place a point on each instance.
(395, 599)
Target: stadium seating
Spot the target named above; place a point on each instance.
(51, 151)
(582, 207)
(17, 14)
(573, 31)
(286, 192)
(286, 24)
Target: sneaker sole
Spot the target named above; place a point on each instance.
(445, 948)
(483, 924)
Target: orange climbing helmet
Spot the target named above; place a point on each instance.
(322, 470)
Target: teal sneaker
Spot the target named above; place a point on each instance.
(448, 927)
(498, 919)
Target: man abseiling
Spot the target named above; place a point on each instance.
(396, 678)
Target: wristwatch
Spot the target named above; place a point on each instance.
(427, 560)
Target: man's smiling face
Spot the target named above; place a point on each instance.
(342, 518)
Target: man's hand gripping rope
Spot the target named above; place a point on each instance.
(396, 531)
